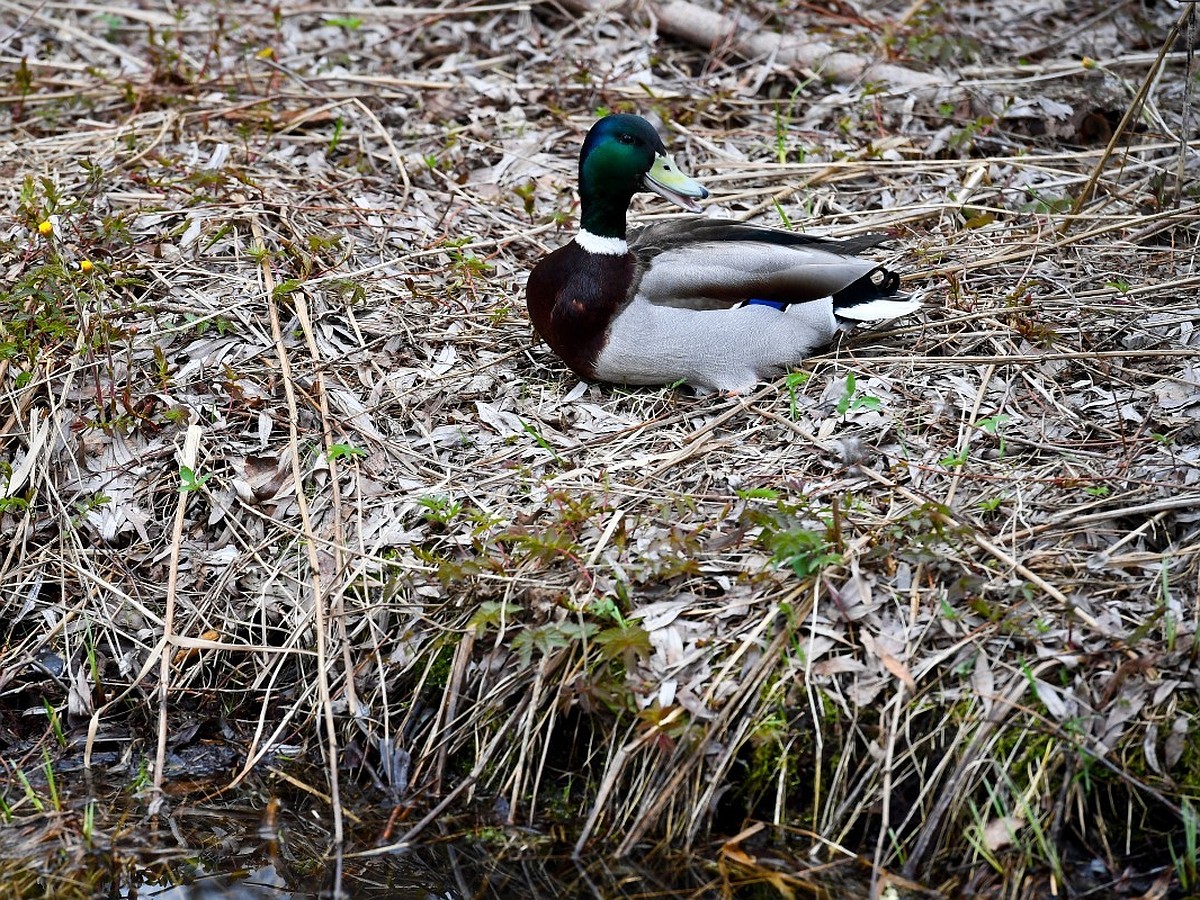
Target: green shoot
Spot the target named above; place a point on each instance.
(793, 381)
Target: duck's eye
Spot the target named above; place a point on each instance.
(625, 138)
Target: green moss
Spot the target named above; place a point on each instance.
(443, 662)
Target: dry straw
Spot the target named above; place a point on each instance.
(282, 463)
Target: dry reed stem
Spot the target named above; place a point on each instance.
(418, 531)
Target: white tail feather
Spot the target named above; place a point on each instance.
(883, 308)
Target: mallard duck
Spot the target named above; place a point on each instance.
(715, 303)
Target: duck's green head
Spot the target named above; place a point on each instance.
(623, 155)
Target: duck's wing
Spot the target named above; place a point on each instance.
(681, 231)
(715, 264)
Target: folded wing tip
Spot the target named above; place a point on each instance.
(882, 308)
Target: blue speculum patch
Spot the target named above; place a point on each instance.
(774, 304)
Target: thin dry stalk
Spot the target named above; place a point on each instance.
(895, 602)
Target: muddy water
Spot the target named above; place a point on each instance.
(103, 843)
(446, 871)
(272, 839)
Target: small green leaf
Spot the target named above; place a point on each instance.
(992, 423)
(627, 642)
(341, 451)
(793, 381)
(758, 494)
(289, 286)
(606, 608)
(489, 614)
(954, 459)
(866, 403)
(541, 441)
(188, 480)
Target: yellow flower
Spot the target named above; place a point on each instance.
(46, 228)
(85, 265)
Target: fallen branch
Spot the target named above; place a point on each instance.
(705, 28)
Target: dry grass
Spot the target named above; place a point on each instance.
(282, 468)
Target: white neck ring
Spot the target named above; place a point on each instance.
(608, 246)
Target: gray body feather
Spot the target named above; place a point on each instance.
(688, 317)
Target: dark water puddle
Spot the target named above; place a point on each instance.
(257, 885)
(65, 833)
(267, 841)
(449, 872)
(72, 835)
(445, 871)
(272, 838)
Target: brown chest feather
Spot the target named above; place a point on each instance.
(573, 296)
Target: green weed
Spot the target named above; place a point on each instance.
(440, 510)
(1187, 863)
(851, 399)
(189, 482)
(344, 451)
